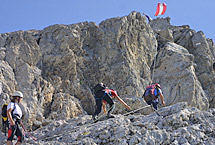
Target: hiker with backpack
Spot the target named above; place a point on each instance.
(151, 95)
(14, 114)
(103, 95)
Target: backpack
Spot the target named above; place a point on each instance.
(98, 88)
(149, 93)
(5, 122)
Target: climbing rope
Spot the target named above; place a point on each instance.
(153, 68)
(135, 110)
(92, 123)
(155, 110)
(25, 131)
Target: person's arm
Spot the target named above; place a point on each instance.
(104, 107)
(9, 116)
(121, 101)
(162, 99)
(149, 18)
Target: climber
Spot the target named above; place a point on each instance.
(113, 94)
(14, 114)
(151, 95)
(149, 18)
(103, 95)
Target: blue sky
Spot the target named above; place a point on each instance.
(37, 14)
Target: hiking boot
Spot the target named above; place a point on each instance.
(94, 118)
(110, 116)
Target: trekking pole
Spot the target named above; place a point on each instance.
(27, 131)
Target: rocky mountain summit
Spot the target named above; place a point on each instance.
(57, 67)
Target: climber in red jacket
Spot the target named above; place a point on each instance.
(104, 95)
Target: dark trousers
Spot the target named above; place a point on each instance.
(15, 130)
(154, 103)
(108, 99)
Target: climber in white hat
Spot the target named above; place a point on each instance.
(14, 114)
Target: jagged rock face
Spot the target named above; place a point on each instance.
(71, 59)
(7, 78)
(89, 54)
(197, 44)
(19, 72)
(176, 74)
(203, 50)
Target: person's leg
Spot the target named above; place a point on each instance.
(155, 104)
(104, 107)
(11, 133)
(98, 107)
(149, 102)
(111, 104)
(18, 143)
(19, 134)
(9, 143)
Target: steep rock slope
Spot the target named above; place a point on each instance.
(197, 44)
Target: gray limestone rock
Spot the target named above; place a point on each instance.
(175, 72)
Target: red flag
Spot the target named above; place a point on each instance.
(161, 8)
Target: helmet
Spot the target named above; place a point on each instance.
(98, 88)
(102, 84)
(158, 85)
(17, 94)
